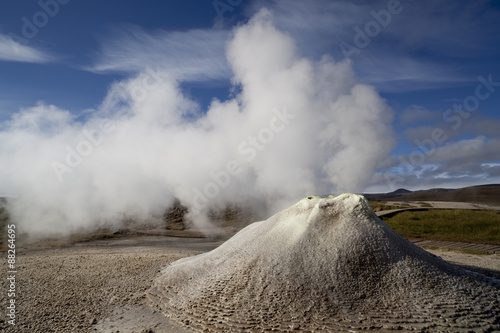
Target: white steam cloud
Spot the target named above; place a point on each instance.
(296, 127)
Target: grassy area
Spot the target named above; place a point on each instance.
(471, 226)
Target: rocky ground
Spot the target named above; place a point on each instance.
(99, 286)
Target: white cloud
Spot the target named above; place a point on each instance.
(400, 73)
(463, 154)
(194, 55)
(456, 163)
(11, 50)
(490, 165)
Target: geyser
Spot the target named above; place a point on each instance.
(289, 126)
(323, 264)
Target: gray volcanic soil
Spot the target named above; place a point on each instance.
(329, 265)
(101, 286)
(97, 286)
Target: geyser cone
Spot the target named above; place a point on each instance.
(324, 263)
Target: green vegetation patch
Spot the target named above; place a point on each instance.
(454, 225)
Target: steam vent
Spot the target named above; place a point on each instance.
(324, 264)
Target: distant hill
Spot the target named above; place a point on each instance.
(388, 196)
(489, 194)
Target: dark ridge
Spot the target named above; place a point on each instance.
(488, 194)
(401, 191)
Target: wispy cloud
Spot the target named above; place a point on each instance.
(406, 55)
(458, 163)
(467, 154)
(194, 55)
(11, 50)
(420, 47)
(405, 73)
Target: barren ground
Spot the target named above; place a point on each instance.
(99, 286)
(95, 286)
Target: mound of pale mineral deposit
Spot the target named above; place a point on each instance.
(324, 264)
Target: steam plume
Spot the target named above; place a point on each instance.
(297, 127)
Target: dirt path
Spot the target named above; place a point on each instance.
(490, 262)
(424, 205)
(456, 245)
(444, 205)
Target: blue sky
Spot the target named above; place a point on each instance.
(424, 58)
